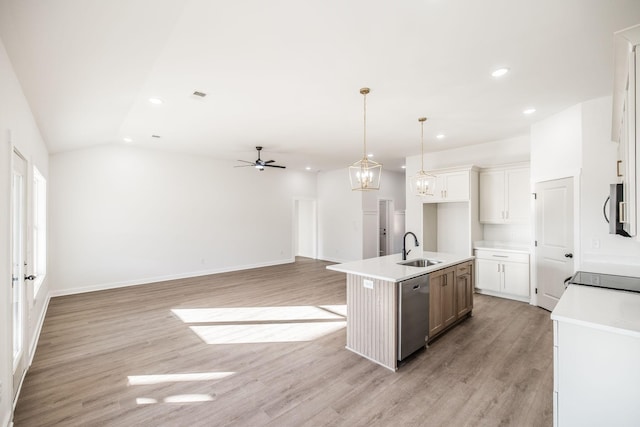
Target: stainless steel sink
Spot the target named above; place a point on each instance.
(420, 262)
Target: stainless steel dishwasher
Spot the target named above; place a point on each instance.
(413, 315)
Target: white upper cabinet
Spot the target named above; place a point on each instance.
(451, 186)
(505, 195)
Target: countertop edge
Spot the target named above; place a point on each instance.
(419, 271)
(502, 246)
(595, 325)
(607, 310)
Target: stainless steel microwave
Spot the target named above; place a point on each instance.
(617, 210)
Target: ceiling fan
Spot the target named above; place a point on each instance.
(259, 163)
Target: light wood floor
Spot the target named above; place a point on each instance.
(119, 358)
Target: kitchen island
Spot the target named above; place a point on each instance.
(374, 301)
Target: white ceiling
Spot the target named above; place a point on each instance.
(286, 74)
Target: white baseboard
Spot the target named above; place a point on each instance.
(38, 328)
(336, 260)
(503, 295)
(147, 280)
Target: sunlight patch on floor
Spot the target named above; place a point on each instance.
(266, 333)
(174, 378)
(178, 398)
(259, 314)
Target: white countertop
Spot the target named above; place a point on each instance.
(606, 309)
(502, 246)
(387, 267)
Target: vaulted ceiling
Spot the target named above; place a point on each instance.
(286, 74)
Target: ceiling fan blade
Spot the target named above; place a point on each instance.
(275, 166)
(244, 166)
(245, 161)
(269, 161)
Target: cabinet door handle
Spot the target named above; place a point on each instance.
(623, 212)
(498, 268)
(506, 214)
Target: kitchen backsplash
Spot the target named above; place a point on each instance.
(507, 233)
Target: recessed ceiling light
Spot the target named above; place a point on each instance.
(369, 155)
(440, 136)
(403, 167)
(500, 72)
(127, 139)
(529, 111)
(308, 168)
(156, 101)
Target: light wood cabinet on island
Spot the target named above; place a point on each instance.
(451, 296)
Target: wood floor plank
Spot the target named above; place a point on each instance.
(125, 357)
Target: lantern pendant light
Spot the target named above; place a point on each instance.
(365, 174)
(422, 183)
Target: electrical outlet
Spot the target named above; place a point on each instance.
(595, 243)
(368, 284)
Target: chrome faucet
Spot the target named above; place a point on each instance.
(405, 252)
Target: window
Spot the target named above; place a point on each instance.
(39, 229)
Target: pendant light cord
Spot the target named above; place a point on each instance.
(422, 144)
(365, 126)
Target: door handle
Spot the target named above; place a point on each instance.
(568, 255)
(31, 277)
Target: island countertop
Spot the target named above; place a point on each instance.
(387, 268)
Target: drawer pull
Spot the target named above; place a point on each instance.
(501, 256)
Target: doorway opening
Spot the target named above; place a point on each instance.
(384, 227)
(305, 233)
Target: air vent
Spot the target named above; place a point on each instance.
(155, 136)
(200, 94)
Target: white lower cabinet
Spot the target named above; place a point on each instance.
(596, 377)
(503, 273)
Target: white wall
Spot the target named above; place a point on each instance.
(599, 156)
(392, 187)
(577, 142)
(340, 223)
(556, 145)
(16, 119)
(123, 215)
(493, 153)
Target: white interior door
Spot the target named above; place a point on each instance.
(554, 239)
(18, 258)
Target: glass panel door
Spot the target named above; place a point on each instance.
(18, 222)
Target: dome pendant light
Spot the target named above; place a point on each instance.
(422, 183)
(365, 174)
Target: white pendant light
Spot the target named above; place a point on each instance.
(422, 183)
(365, 174)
